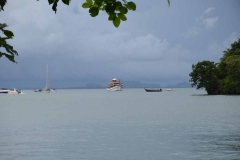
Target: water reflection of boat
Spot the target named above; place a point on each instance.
(153, 89)
(115, 85)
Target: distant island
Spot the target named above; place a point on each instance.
(180, 85)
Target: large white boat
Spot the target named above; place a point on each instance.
(46, 89)
(115, 85)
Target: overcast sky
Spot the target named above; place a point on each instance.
(157, 44)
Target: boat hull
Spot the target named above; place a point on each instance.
(153, 90)
(45, 91)
(4, 91)
(14, 91)
(115, 88)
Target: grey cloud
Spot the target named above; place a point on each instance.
(210, 22)
(192, 32)
(208, 10)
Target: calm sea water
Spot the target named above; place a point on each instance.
(129, 125)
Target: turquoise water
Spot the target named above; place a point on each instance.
(129, 125)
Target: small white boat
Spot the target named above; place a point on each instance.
(14, 91)
(170, 89)
(37, 90)
(115, 85)
(54, 90)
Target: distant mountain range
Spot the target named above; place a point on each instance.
(180, 85)
(135, 84)
(126, 84)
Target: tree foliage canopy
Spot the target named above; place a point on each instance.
(116, 10)
(204, 75)
(219, 78)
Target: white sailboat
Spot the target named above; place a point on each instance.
(46, 89)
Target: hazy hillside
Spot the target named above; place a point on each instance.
(136, 84)
(180, 85)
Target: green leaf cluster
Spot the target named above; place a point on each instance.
(222, 77)
(10, 52)
(2, 4)
(116, 10)
(54, 3)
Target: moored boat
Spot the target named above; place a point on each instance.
(14, 91)
(115, 85)
(37, 90)
(170, 89)
(153, 89)
(46, 89)
(54, 90)
(4, 90)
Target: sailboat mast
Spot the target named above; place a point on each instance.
(47, 81)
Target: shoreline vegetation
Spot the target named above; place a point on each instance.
(222, 78)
